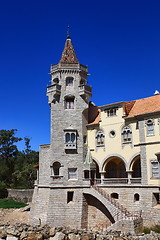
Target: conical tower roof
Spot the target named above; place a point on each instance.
(68, 54)
(88, 163)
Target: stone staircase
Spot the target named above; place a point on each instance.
(122, 212)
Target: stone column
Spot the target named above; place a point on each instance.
(144, 175)
(129, 172)
(102, 177)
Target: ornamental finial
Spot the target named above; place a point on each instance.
(68, 32)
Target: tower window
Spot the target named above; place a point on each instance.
(69, 81)
(72, 173)
(70, 196)
(56, 80)
(56, 167)
(70, 139)
(136, 197)
(69, 103)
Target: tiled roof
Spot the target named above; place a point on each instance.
(143, 106)
(68, 55)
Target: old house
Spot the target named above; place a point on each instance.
(102, 167)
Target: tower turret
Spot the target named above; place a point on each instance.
(61, 163)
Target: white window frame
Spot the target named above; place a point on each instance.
(100, 138)
(111, 112)
(72, 174)
(155, 169)
(70, 139)
(126, 132)
(150, 127)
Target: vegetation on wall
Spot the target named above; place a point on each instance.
(17, 167)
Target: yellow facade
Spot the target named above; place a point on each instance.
(115, 149)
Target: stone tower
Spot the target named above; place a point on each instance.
(58, 193)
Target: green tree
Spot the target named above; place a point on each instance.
(25, 173)
(8, 153)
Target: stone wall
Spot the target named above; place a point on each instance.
(26, 232)
(21, 195)
(149, 211)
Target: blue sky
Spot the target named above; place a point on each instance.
(118, 40)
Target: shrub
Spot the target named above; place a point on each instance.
(3, 190)
(156, 228)
(146, 230)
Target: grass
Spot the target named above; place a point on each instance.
(9, 203)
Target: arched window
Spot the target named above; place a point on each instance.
(150, 127)
(56, 167)
(136, 197)
(136, 168)
(69, 103)
(126, 134)
(70, 139)
(69, 81)
(100, 138)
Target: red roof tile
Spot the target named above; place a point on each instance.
(68, 55)
(143, 106)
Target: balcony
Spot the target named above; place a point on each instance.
(85, 90)
(68, 66)
(136, 180)
(107, 181)
(53, 91)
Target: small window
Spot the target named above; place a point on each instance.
(112, 134)
(56, 80)
(86, 174)
(69, 81)
(156, 199)
(137, 125)
(111, 112)
(136, 197)
(150, 127)
(82, 83)
(56, 167)
(155, 168)
(114, 195)
(70, 139)
(69, 103)
(72, 173)
(126, 134)
(100, 138)
(70, 197)
(85, 139)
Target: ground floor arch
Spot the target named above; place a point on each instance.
(114, 167)
(98, 216)
(136, 167)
